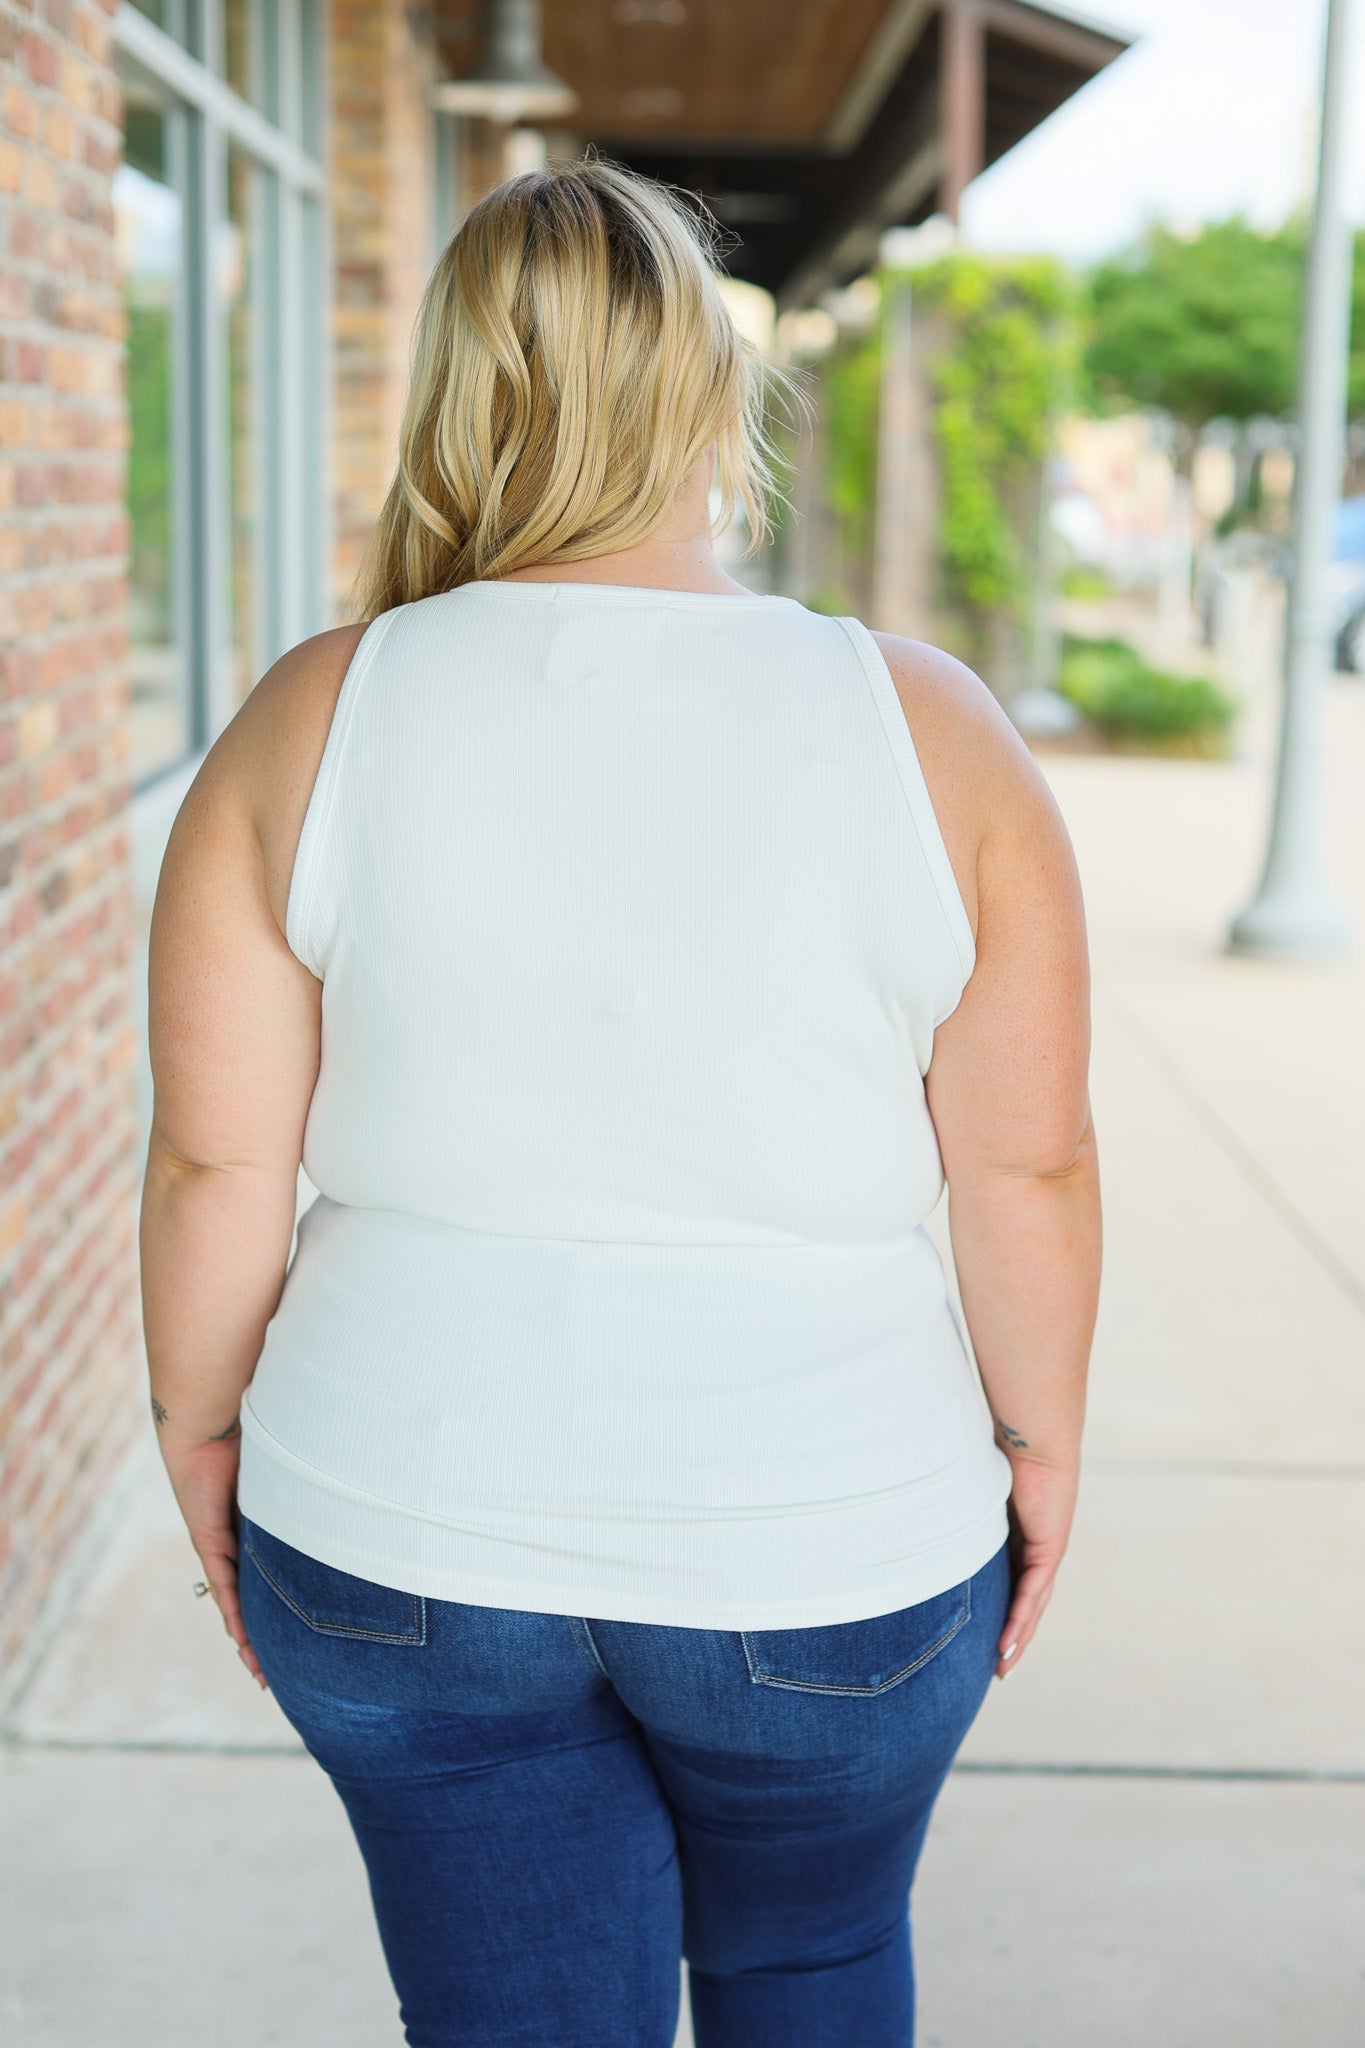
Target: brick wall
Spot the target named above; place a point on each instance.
(382, 70)
(69, 1337)
(70, 1341)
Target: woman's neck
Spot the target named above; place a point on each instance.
(678, 555)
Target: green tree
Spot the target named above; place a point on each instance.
(997, 336)
(1006, 369)
(1207, 326)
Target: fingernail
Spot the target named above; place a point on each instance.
(1010, 1651)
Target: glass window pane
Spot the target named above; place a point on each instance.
(150, 245)
(239, 286)
(310, 77)
(244, 66)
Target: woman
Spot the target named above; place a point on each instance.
(619, 1518)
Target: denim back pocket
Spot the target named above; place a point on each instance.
(332, 1602)
(858, 1657)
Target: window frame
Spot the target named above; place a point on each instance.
(290, 269)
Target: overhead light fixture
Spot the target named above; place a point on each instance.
(513, 82)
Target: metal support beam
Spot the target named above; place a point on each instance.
(891, 42)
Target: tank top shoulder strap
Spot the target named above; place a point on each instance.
(905, 758)
(310, 853)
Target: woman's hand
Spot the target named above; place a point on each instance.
(204, 1479)
(1041, 1507)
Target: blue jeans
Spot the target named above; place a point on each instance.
(553, 1810)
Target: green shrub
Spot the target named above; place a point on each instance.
(830, 603)
(1112, 686)
(1079, 579)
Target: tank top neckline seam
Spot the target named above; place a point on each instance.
(664, 593)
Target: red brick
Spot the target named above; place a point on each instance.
(40, 58)
(69, 1354)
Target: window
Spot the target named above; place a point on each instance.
(149, 239)
(219, 241)
(238, 285)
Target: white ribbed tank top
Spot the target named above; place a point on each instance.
(634, 924)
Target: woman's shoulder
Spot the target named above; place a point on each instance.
(262, 767)
(989, 794)
(954, 718)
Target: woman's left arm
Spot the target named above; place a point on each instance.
(235, 1028)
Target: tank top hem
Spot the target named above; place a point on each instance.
(388, 1545)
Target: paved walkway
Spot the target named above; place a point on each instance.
(1157, 1831)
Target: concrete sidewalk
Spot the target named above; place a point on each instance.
(1156, 1834)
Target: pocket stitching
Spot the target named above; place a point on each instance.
(416, 1640)
(761, 1677)
(586, 1646)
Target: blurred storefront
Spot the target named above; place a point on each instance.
(218, 217)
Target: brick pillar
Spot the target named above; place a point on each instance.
(70, 1346)
(904, 595)
(382, 72)
(811, 567)
(482, 157)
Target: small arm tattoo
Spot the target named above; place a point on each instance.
(1011, 1436)
(233, 1429)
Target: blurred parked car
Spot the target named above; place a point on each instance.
(1222, 561)
(1346, 585)
(1246, 548)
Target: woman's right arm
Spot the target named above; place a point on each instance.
(1007, 1088)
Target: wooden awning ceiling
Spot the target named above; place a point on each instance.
(808, 126)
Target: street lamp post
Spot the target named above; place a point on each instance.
(1293, 913)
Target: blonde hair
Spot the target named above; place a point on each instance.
(572, 361)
